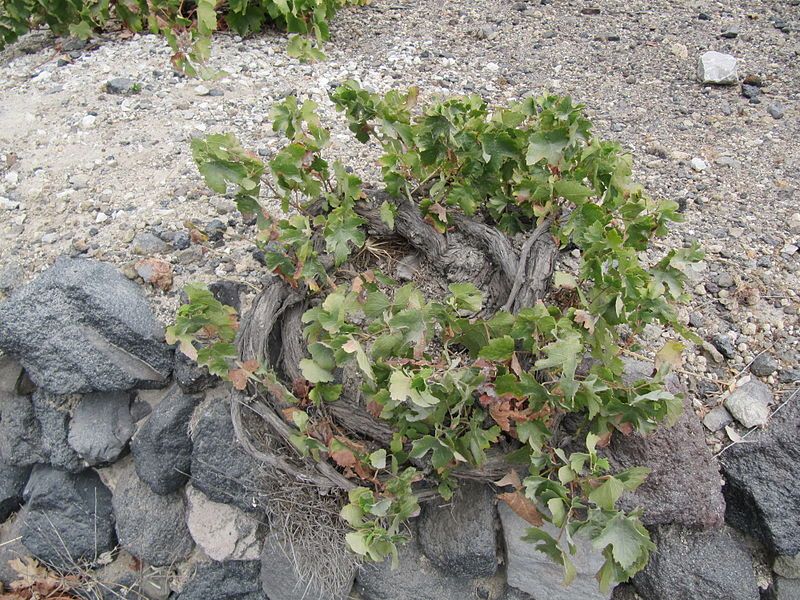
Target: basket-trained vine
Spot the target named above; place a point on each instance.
(187, 26)
(507, 369)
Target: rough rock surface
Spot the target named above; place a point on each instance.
(101, 426)
(68, 517)
(53, 414)
(221, 469)
(81, 326)
(749, 403)
(281, 581)
(460, 537)
(20, 432)
(12, 481)
(224, 532)
(536, 574)
(230, 580)
(162, 448)
(10, 372)
(684, 484)
(761, 478)
(11, 547)
(192, 378)
(150, 526)
(787, 589)
(418, 579)
(717, 68)
(697, 564)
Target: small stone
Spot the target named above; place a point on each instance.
(749, 403)
(122, 86)
(725, 280)
(730, 32)
(764, 365)
(724, 345)
(6, 204)
(750, 91)
(794, 223)
(215, 230)
(698, 164)
(146, 243)
(717, 68)
(717, 418)
(727, 161)
(181, 241)
(88, 121)
(201, 90)
(155, 272)
(101, 217)
(704, 16)
(775, 110)
(223, 532)
(50, 238)
(590, 10)
(216, 93)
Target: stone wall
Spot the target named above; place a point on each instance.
(118, 460)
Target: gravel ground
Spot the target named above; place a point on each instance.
(91, 171)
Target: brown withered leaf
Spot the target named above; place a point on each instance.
(238, 378)
(344, 457)
(522, 506)
(511, 478)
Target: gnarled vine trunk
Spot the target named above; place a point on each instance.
(471, 251)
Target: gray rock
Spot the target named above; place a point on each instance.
(20, 432)
(775, 111)
(11, 547)
(730, 32)
(461, 537)
(697, 564)
(53, 414)
(717, 68)
(418, 579)
(787, 566)
(717, 418)
(162, 448)
(68, 517)
(10, 374)
(281, 581)
(230, 580)
(192, 378)
(536, 574)
(684, 482)
(101, 427)
(12, 481)
(150, 526)
(761, 488)
(724, 345)
(223, 532)
(145, 243)
(122, 86)
(749, 403)
(764, 365)
(221, 469)
(787, 589)
(82, 326)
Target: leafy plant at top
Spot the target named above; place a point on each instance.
(187, 26)
(453, 382)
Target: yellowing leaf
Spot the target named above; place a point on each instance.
(671, 354)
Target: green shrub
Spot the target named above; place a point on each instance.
(188, 26)
(460, 377)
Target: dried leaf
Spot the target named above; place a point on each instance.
(585, 318)
(238, 378)
(511, 478)
(522, 506)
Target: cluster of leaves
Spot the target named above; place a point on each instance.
(187, 25)
(455, 387)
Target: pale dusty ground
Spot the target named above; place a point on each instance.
(93, 186)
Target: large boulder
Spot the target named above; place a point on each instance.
(12, 482)
(81, 326)
(101, 426)
(162, 448)
(68, 517)
(281, 580)
(460, 537)
(697, 564)
(417, 578)
(537, 574)
(684, 485)
(150, 526)
(221, 469)
(229, 580)
(761, 488)
(224, 532)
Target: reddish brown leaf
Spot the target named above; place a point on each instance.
(374, 408)
(522, 506)
(251, 366)
(344, 457)
(238, 378)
